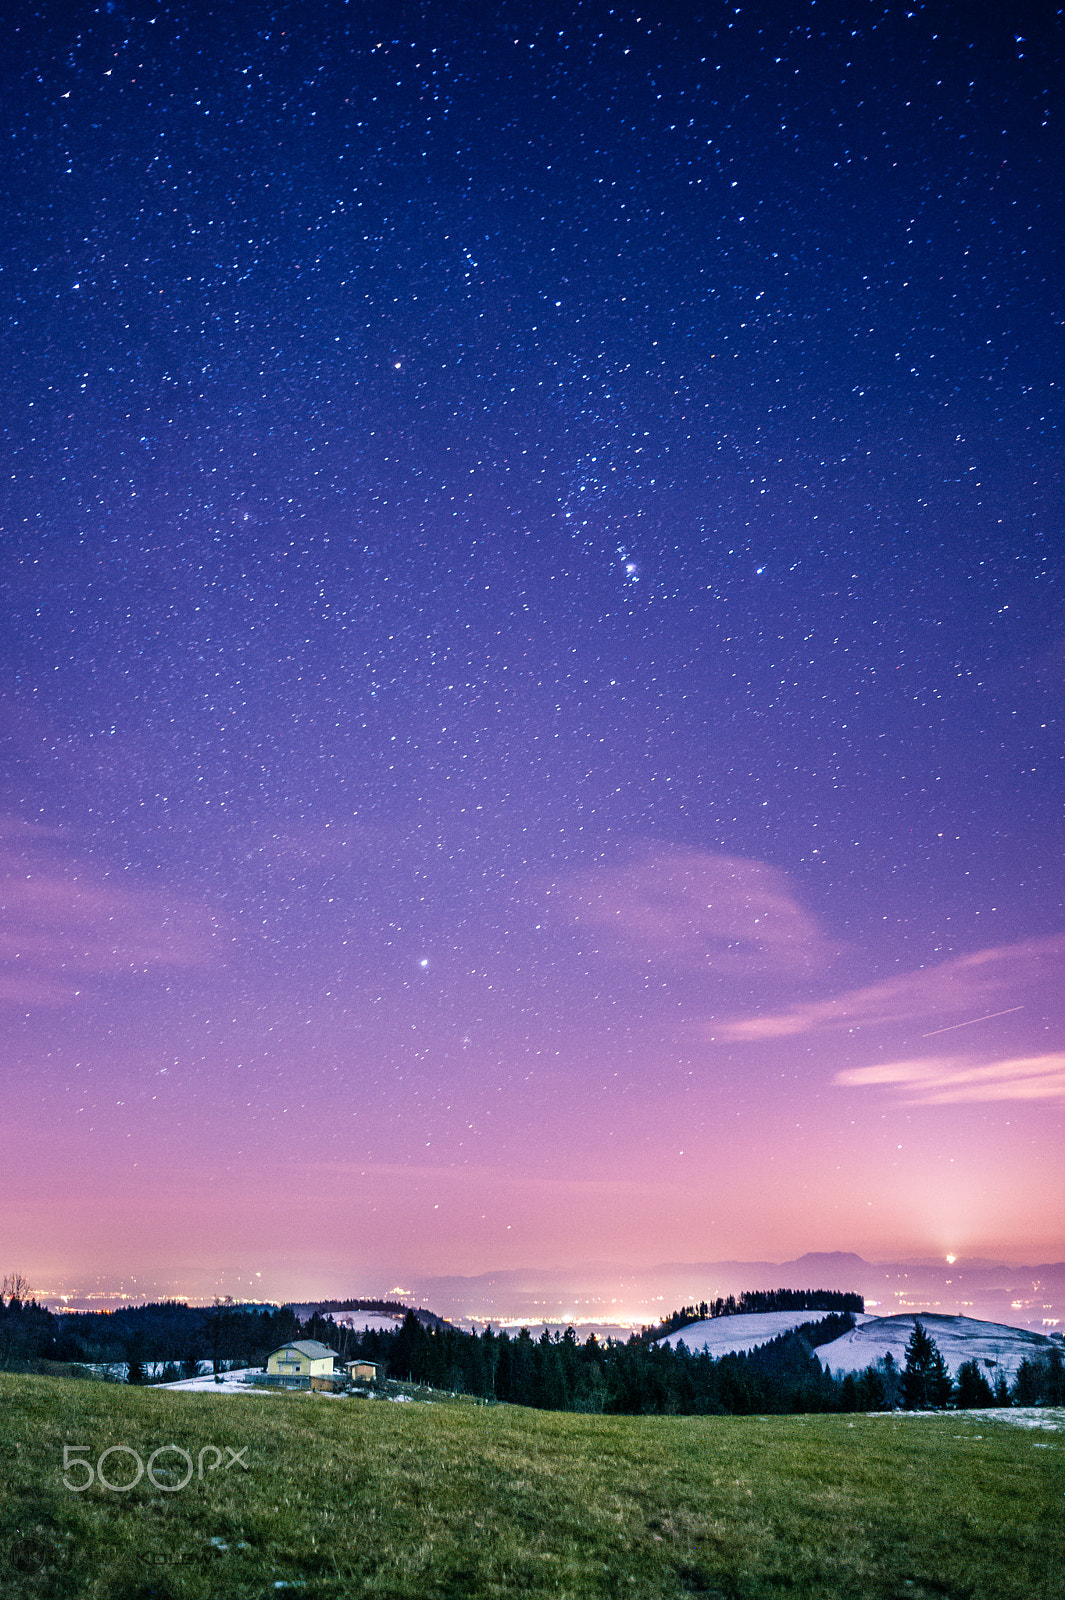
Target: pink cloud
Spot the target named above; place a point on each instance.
(62, 924)
(696, 910)
(981, 981)
(946, 1080)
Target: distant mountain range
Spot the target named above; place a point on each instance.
(604, 1295)
(1019, 1296)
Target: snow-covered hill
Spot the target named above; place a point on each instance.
(367, 1321)
(996, 1346)
(359, 1321)
(722, 1336)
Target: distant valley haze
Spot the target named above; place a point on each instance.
(605, 1297)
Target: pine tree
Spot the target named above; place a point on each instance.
(973, 1388)
(1026, 1385)
(1054, 1386)
(925, 1381)
(872, 1391)
(410, 1356)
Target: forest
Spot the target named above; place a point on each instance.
(185, 1338)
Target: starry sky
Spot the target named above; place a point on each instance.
(531, 554)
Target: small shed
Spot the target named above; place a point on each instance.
(362, 1371)
(303, 1358)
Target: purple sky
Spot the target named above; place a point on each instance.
(531, 554)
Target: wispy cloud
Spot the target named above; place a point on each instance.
(978, 981)
(698, 911)
(62, 923)
(946, 1080)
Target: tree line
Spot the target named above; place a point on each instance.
(180, 1336)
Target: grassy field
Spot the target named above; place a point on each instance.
(330, 1498)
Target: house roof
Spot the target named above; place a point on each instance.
(306, 1347)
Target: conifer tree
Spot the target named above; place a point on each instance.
(925, 1380)
(1054, 1384)
(973, 1388)
(872, 1391)
(1026, 1385)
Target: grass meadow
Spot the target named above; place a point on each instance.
(327, 1498)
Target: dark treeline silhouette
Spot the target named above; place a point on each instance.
(385, 1308)
(752, 1300)
(169, 1331)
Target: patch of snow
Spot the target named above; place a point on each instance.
(358, 1321)
(232, 1382)
(1050, 1419)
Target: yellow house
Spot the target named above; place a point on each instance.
(303, 1358)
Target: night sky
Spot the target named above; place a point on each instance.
(531, 555)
